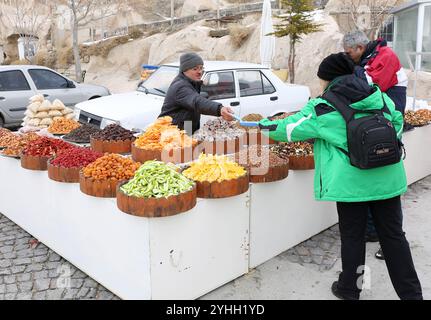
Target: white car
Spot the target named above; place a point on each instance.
(20, 82)
(246, 88)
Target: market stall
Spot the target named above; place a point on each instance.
(233, 227)
(178, 257)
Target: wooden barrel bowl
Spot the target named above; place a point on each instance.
(62, 174)
(275, 173)
(34, 162)
(301, 162)
(152, 207)
(98, 188)
(224, 189)
(222, 147)
(257, 137)
(111, 146)
(179, 156)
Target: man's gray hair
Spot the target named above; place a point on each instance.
(354, 38)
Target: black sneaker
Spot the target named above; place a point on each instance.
(336, 292)
(371, 238)
(379, 254)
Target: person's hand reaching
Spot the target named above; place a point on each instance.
(227, 113)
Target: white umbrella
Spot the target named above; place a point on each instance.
(267, 43)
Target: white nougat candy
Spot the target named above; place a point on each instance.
(58, 105)
(37, 98)
(45, 106)
(34, 107)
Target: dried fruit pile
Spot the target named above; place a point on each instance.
(15, 148)
(45, 147)
(218, 130)
(111, 166)
(75, 158)
(82, 134)
(420, 117)
(284, 115)
(63, 126)
(114, 132)
(257, 156)
(214, 168)
(162, 134)
(299, 149)
(155, 179)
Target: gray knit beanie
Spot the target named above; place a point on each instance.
(189, 61)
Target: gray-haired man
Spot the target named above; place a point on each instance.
(378, 64)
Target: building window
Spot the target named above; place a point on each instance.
(387, 31)
(405, 39)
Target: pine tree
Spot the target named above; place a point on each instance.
(296, 22)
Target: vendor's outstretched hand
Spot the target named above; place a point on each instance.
(227, 113)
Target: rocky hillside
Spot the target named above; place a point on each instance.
(163, 47)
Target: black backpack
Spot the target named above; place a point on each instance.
(372, 140)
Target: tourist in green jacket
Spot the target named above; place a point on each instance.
(355, 190)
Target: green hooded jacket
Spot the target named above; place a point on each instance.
(335, 178)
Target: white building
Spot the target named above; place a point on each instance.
(412, 34)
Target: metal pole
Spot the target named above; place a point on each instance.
(172, 12)
(218, 15)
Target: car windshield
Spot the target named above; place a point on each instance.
(159, 82)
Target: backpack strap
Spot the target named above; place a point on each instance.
(340, 104)
(343, 106)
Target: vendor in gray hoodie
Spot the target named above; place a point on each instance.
(183, 101)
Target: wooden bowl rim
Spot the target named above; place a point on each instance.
(123, 182)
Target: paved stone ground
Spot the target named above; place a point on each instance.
(30, 270)
(321, 252)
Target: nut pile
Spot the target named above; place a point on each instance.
(4, 131)
(75, 158)
(298, 149)
(45, 147)
(15, 148)
(162, 134)
(214, 168)
(218, 130)
(114, 132)
(8, 138)
(258, 156)
(420, 117)
(82, 134)
(254, 117)
(63, 126)
(111, 166)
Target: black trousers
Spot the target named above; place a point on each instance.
(387, 216)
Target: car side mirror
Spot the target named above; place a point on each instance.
(204, 94)
(70, 84)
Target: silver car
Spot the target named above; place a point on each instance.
(20, 82)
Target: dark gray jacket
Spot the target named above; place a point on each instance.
(183, 102)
